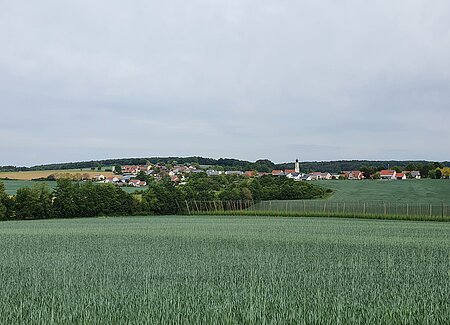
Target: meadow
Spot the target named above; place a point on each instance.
(226, 270)
(11, 187)
(407, 191)
(427, 199)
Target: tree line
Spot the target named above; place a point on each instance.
(262, 165)
(85, 199)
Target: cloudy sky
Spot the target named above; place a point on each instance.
(248, 79)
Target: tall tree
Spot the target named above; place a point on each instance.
(34, 202)
(65, 203)
(6, 204)
(3, 198)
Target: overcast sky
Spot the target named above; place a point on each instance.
(248, 79)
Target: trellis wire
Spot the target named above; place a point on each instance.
(317, 207)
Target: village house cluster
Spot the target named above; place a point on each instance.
(351, 175)
(131, 175)
(392, 174)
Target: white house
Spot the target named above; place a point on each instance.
(112, 180)
(99, 177)
(295, 176)
(356, 175)
(326, 176)
(306, 177)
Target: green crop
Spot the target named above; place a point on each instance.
(226, 270)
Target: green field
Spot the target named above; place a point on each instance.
(230, 270)
(11, 187)
(134, 189)
(406, 191)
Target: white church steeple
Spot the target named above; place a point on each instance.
(297, 166)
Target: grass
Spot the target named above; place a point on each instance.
(29, 175)
(11, 187)
(311, 213)
(406, 191)
(366, 210)
(134, 189)
(229, 270)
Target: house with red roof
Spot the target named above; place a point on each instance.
(250, 173)
(137, 183)
(400, 176)
(388, 174)
(356, 175)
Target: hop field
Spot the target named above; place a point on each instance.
(228, 270)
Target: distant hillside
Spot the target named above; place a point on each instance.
(262, 165)
(227, 163)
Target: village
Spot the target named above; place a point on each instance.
(137, 175)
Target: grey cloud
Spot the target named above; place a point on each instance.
(247, 79)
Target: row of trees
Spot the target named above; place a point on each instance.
(85, 199)
(68, 200)
(164, 197)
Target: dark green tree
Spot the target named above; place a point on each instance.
(432, 174)
(3, 199)
(6, 203)
(34, 202)
(142, 176)
(66, 201)
(162, 198)
(117, 169)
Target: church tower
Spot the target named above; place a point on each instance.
(297, 166)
